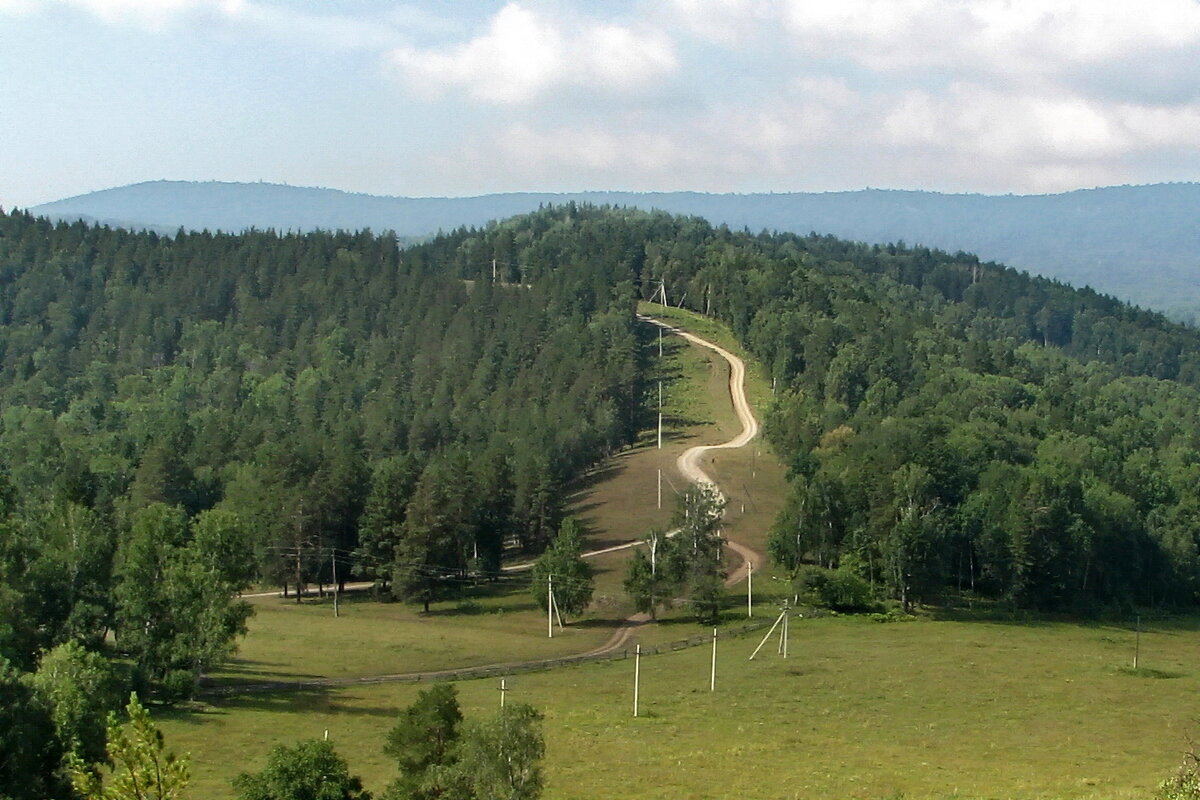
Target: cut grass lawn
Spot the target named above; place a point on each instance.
(859, 709)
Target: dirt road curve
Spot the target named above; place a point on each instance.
(688, 464)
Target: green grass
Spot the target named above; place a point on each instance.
(956, 706)
(860, 709)
(758, 383)
(290, 642)
(617, 503)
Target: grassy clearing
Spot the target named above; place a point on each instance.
(290, 642)
(860, 709)
(617, 503)
(934, 708)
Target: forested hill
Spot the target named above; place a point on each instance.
(408, 413)
(1139, 243)
(334, 397)
(951, 426)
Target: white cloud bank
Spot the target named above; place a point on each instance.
(990, 95)
(983, 95)
(525, 56)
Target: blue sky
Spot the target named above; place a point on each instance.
(462, 98)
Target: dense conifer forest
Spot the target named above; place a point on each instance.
(950, 425)
(185, 415)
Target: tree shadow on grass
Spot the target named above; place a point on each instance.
(259, 669)
(607, 470)
(1146, 672)
(602, 622)
(309, 700)
(466, 608)
(995, 613)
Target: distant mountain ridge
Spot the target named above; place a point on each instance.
(1139, 243)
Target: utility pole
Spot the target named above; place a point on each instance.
(783, 632)
(333, 552)
(749, 588)
(1137, 641)
(493, 281)
(550, 606)
(660, 415)
(660, 343)
(660, 487)
(557, 613)
(712, 681)
(637, 676)
(774, 625)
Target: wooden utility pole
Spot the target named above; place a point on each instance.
(783, 632)
(637, 676)
(712, 681)
(1137, 641)
(336, 585)
(749, 588)
(557, 612)
(660, 416)
(774, 625)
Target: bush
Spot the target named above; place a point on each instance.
(810, 583)
(840, 589)
(845, 591)
(177, 685)
(1185, 783)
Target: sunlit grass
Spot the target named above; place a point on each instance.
(859, 709)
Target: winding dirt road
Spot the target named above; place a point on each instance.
(688, 464)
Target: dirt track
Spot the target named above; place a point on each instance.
(688, 465)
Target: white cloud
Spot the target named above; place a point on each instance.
(524, 56)
(997, 36)
(971, 119)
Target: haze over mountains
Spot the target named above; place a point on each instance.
(1139, 243)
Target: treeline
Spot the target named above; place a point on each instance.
(950, 425)
(327, 403)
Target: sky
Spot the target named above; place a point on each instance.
(470, 97)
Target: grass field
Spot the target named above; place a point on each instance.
(860, 709)
(936, 708)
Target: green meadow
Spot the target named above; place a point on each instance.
(930, 708)
(947, 705)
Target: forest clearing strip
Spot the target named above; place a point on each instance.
(613, 649)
